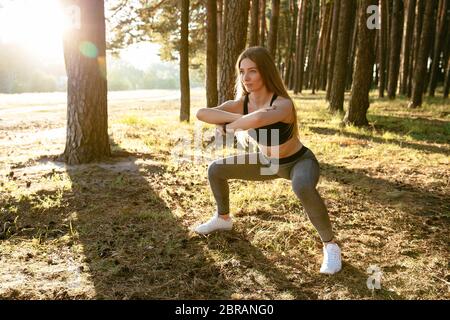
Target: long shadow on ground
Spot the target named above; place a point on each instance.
(132, 244)
(403, 144)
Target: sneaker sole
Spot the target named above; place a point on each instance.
(217, 230)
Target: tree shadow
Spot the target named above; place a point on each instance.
(351, 277)
(403, 144)
(251, 260)
(429, 212)
(300, 282)
(126, 241)
(421, 129)
(122, 238)
(355, 281)
(423, 221)
(359, 177)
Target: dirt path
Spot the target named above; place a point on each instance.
(33, 124)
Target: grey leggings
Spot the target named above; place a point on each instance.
(303, 172)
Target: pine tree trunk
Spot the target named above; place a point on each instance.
(340, 65)
(262, 16)
(447, 80)
(377, 59)
(418, 22)
(388, 39)
(272, 46)
(236, 23)
(309, 42)
(184, 63)
(352, 52)
(220, 32)
(362, 77)
(383, 46)
(293, 8)
(326, 54)
(324, 19)
(211, 54)
(313, 38)
(87, 106)
(441, 33)
(407, 45)
(254, 25)
(333, 45)
(446, 63)
(425, 48)
(430, 55)
(395, 47)
(300, 52)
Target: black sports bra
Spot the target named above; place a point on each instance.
(285, 130)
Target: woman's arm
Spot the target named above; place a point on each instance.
(220, 115)
(263, 117)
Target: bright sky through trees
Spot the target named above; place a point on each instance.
(37, 25)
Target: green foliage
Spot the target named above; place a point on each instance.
(159, 21)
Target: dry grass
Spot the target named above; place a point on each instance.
(121, 229)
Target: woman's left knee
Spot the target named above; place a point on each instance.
(302, 188)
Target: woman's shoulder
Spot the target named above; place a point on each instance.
(283, 102)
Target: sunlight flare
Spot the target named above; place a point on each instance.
(37, 25)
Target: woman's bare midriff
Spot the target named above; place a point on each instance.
(282, 151)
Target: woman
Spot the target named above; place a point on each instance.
(265, 109)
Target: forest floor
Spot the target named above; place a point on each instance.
(121, 229)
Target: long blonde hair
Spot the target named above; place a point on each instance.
(270, 76)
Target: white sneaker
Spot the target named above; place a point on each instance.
(332, 261)
(214, 224)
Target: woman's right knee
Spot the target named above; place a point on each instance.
(213, 169)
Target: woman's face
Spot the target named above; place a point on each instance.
(250, 76)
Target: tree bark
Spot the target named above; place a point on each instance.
(184, 63)
(262, 37)
(300, 52)
(291, 50)
(326, 53)
(362, 77)
(407, 45)
(323, 70)
(447, 80)
(320, 52)
(333, 46)
(383, 47)
(441, 33)
(312, 43)
(87, 106)
(211, 54)
(395, 47)
(340, 65)
(220, 31)
(425, 47)
(377, 60)
(418, 22)
(272, 46)
(236, 23)
(446, 62)
(254, 25)
(352, 52)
